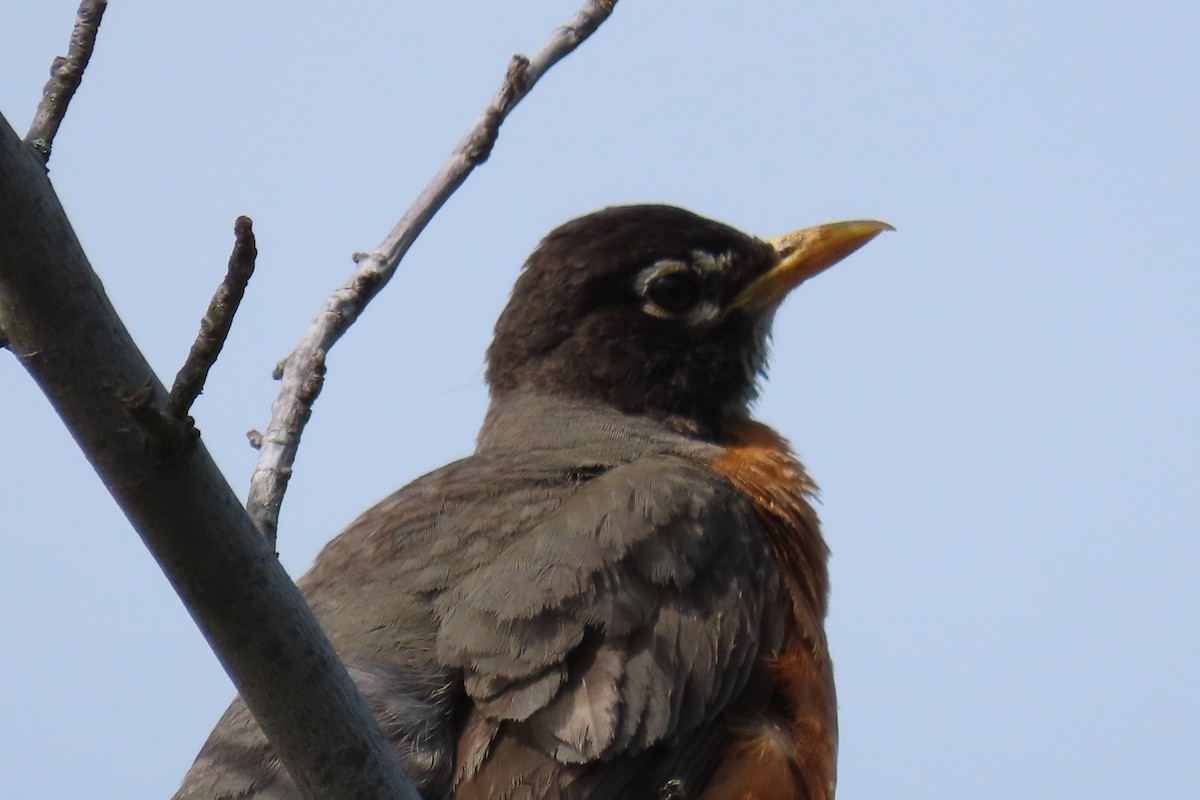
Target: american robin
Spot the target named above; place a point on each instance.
(622, 593)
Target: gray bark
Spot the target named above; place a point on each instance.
(56, 318)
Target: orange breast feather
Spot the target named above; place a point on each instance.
(788, 750)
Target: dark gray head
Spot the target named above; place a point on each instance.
(654, 310)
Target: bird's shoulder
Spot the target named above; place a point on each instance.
(454, 520)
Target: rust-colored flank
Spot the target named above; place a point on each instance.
(788, 751)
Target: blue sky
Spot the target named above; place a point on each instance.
(999, 400)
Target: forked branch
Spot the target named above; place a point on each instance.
(293, 405)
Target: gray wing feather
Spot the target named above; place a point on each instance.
(650, 586)
(584, 620)
(413, 710)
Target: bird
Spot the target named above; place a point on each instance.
(622, 592)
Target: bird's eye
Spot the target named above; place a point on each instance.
(674, 292)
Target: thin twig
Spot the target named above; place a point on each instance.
(215, 324)
(290, 411)
(65, 74)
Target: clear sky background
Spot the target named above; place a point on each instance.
(999, 400)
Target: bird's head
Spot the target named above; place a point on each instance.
(655, 310)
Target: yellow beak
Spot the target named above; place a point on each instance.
(803, 254)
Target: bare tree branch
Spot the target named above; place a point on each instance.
(293, 405)
(63, 329)
(57, 320)
(65, 74)
(215, 324)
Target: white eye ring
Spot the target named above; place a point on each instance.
(656, 284)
